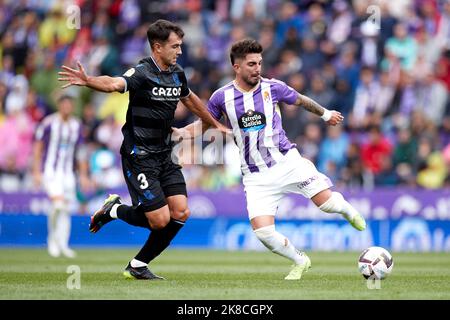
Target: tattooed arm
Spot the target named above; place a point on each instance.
(331, 117)
(310, 105)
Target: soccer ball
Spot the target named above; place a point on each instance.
(375, 263)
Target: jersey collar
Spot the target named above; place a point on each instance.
(159, 69)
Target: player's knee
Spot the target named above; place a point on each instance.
(334, 204)
(265, 233)
(322, 197)
(156, 225)
(186, 215)
(158, 222)
(181, 214)
(268, 237)
(58, 204)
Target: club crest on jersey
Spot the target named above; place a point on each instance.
(252, 121)
(266, 96)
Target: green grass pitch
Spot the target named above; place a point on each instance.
(218, 275)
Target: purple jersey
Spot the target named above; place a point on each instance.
(256, 122)
(60, 140)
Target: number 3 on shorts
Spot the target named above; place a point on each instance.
(143, 180)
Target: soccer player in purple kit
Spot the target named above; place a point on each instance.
(270, 163)
(57, 146)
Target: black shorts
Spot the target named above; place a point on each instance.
(152, 178)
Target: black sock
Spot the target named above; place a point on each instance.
(159, 240)
(133, 216)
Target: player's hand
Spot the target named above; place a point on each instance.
(223, 129)
(178, 134)
(336, 118)
(74, 77)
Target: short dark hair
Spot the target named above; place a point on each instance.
(160, 31)
(243, 47)
(65, 97)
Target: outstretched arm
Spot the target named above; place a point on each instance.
(331, 117)
(80, 78)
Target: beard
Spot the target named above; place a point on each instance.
(252, 81)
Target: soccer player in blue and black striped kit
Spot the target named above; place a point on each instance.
(156, 184)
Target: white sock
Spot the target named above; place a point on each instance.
(136, 263)
(63, 224)
(278, 243)
(52, 220)
(113, 212)
(337, 204)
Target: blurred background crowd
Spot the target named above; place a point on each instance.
(390, 77)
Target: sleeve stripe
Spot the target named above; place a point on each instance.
(126, 85)
(187, 94)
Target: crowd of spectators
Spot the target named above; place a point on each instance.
(384, 64)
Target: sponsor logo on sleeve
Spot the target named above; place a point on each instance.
(129, 72)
